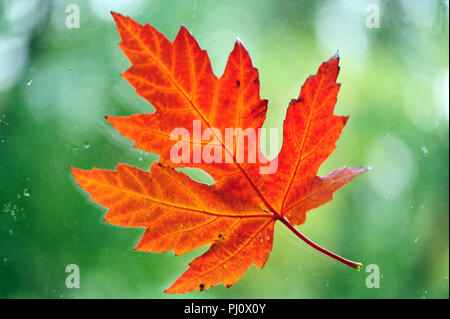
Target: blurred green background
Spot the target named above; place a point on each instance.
(56, 85)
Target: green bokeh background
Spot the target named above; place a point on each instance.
(56, 85)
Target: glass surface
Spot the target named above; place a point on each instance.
(57, 83)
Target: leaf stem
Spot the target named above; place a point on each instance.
(355, 265)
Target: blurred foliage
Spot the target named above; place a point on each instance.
(56, 84)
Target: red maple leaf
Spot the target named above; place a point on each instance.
(235, 215)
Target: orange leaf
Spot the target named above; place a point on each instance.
(235, 215)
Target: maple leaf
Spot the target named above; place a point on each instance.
(235, 215)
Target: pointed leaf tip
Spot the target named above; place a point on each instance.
(115, 15)
(119, 19)
(240, 43)
(335, 58)
(184, 29)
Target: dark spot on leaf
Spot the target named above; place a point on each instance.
(228, 286)
(220, 235)
(202, 286)
(238, 83)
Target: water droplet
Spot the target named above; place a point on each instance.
(6, 207)
(26, 192)
(424, 150)
(86, 145)
(140, 159)
(416, 240)
(29, 81)
(11, 232)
